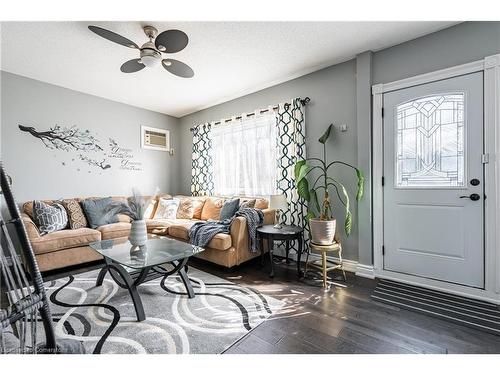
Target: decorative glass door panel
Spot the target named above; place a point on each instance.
(430, 141)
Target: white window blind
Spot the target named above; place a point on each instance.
(245, 155)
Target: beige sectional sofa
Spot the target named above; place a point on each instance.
(69, 247)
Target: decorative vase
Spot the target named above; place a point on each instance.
(323, 231)
(138, 233)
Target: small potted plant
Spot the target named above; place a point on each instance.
(135, 207)
(321, 222)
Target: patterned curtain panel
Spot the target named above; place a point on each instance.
(201, 164)
(292, 147)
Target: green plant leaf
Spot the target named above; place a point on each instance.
(310, 215)
(348, 223)
(314, 199)
(303, 189)
(297, 167)
(348, 215)
(361, 184)
(326, 135)
(303, 171)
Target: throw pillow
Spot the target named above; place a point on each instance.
(249, 203)
(167, 209)
(261, 203)
(96, 211)
(198, 203)
(211, 209)
(75, 213)
(229, 208)
(49, 218)
(150, 209)
(186, 209)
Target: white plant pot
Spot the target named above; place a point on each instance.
(323, 231)
(138, 233)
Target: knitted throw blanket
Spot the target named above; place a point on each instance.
(201, 233)
(255, 218)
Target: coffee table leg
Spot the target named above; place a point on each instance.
(131, 287)
(100, 277)
(287, 249)
(184, 277)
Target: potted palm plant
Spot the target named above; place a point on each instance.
(321, 222)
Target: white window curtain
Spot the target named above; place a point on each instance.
(245, 155)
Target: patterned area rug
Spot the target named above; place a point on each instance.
(104, 318)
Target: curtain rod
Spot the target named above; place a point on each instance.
(304, 101)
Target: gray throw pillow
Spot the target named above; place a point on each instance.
(229, 208)
(96, 211)
(49, 217)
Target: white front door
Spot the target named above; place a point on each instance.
(434, 180)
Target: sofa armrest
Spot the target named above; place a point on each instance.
(30, 226)
(269, 216)
(239, 233)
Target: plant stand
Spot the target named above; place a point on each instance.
(323, 264)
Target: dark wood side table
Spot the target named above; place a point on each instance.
(287, 233)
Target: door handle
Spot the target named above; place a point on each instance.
(472, 197)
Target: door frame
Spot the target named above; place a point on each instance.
(490, 66)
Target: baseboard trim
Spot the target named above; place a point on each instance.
(365, 270)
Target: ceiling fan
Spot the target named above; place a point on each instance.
(170, 41)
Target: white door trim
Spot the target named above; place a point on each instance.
(491, 68)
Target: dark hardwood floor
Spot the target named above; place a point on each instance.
(343, 319)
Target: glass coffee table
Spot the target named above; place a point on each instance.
(130, 265)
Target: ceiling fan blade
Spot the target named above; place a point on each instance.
(114, 37)
(132, 66)
(171, 41)
(178, 68)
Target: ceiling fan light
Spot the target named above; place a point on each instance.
(149, 61)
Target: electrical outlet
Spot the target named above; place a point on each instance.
(343, 127)
(171, 152)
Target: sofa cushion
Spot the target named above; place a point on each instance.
(96, 211)
(180, 229)
(49, 218)
(28, 207)
(151, 208)
(198, 203)
(76, 216)
(65, 239)
(211, 208)
(186, 209)
(220, 241)
(167, 209)
(114, 230)
(229, 208)
(261, 203)
(247, 203)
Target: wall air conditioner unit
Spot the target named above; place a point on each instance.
(155, 139)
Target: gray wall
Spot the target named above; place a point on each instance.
(38, 172)
(333, 100)
(460, 44)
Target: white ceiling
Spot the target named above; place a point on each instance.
(230, 59)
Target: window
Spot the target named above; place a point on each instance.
(430, 142)
(245, 155)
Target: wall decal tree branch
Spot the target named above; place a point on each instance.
(101, 164)
(65, 138)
